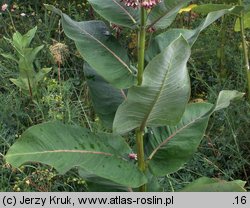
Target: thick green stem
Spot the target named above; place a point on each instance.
(141, 45)
(141, 57)
(140, 155)
(245, 52)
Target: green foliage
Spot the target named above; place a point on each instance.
(105, 98)
(103, 158)
(163, 94)
(116, 12)
(161, 41)
(214, 185)
(163, 15)
(28, 79)
(207, 8)
(93, 39)
(64, 147)
(165, 142)
(246, 20)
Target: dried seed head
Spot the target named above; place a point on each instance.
(59, 51)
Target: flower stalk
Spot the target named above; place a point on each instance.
(140, 155)
(141, 46)
(144, 6)
(141, 57)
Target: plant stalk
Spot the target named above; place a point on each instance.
(141, 57)
(11, 19)
(140, 155)
(30, 88)
(141, 46)
(245, 51)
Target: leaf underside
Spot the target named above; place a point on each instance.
(105, 98)
(169, 148)
(165, 13)
(160, 42)
(100, 49)
(64, 147)
(116, 12)
(205, 184)
(164, 93)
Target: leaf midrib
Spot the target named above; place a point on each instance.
(130, 16)
(144, 122)
(159, 18)
(61, 151)
(172, 136)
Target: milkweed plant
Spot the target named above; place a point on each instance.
(148, 99)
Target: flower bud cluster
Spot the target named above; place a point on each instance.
(147, 4)
(131, 3)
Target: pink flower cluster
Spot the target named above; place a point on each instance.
(147, 4)
(4, 7)
(131, 3)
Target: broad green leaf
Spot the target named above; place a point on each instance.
(104, 187)
(246, 20)
(153, 185)
(28, 37)
(26, 84)
(64, 147)
(105, 98)
(17, 42)
(225, 97)
(9, 56)
(100, 49)
(164, 13)
(100, 184)
(41, 74)
(164, 93)
(31, 55)
(205, 184)
(204, 9)
(170, 147)
(161, 41)
(116, 12)
(22, 83)
(23, 41)
(26, 68)
(25, 62)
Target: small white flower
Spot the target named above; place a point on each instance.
(23, 14)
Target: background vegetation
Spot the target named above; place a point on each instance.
(216, 63)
